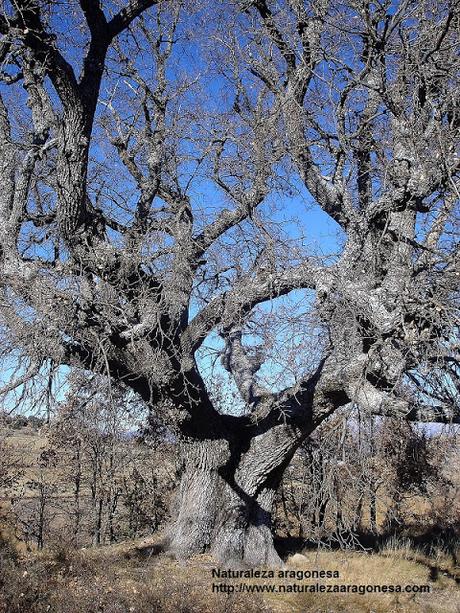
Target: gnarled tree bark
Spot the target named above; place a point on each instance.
(127, 273)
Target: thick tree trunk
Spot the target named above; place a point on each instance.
(226, 498)
(243, 532)
(196, 508)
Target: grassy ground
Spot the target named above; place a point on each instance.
(133, 578)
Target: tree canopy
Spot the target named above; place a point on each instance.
(153, 156)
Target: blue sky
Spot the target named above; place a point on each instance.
(320, 234)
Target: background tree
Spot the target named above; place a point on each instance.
(87, 478)
(145, 151)
(363, 480)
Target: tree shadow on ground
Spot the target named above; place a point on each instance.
(423, 546)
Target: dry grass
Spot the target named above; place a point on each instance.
(129, 578)
(442, 561)
(375, 569)
(120, 579)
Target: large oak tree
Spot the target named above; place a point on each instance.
(147, 153)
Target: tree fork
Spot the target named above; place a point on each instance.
(226, 497)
